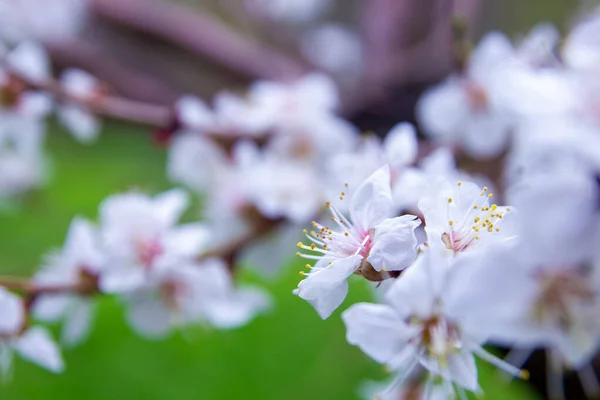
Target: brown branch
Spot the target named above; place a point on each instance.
(128, 82)
(32, 289)
(202, 35)
(101, 103)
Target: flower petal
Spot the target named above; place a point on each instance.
(330, 301)
(401, 145)
(377, 329)
(148, 315)
(372, 201)
(37, 346)
(394, 244)
(323, 279)
(77, 323)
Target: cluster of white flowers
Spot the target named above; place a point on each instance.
(523, 276)
(24, 107)
(454, 270)
(139, 252)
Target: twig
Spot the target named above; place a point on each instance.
(101, 104)
(202, 35)
(130, 83)
(31, 289)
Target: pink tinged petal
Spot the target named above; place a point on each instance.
(320, 281)
(372, 201)
(78, 322)
(12, 311)
(463, 370)
(169, 205)
(37, 346)
(125, 279)
(377, 329)
(148, 316)
(326, 304)
(401, 145)
(394, 244)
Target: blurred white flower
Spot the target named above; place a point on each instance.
(281, 188)
(554, 272)
(553, 144)
(372, 240)
(22, 131)
(191, 293)
(303, 120)
(47, 20)
(581, 50)
(140, 235)
(398, 150)
(334, 48)
(413, 183)
(195, 161)
(538, 47)
(79, 120)
(32, 343)
(433, 319)
(461, 215)
(193, 114)
(77, 266)
(290, 11)
(463, 109)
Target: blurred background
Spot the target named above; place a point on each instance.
(154, 51)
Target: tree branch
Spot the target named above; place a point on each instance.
(202, 35)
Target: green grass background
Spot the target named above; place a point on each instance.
(287, 354)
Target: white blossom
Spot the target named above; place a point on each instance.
(372, 240)
(192, 293)
(76, 266)
(31, 343)
(464, 110)
(553, 269)
(433, 319)
(140, 236)
(80, 121)
(462, 214)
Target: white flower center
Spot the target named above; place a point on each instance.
(481, 218)
(347, 241)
